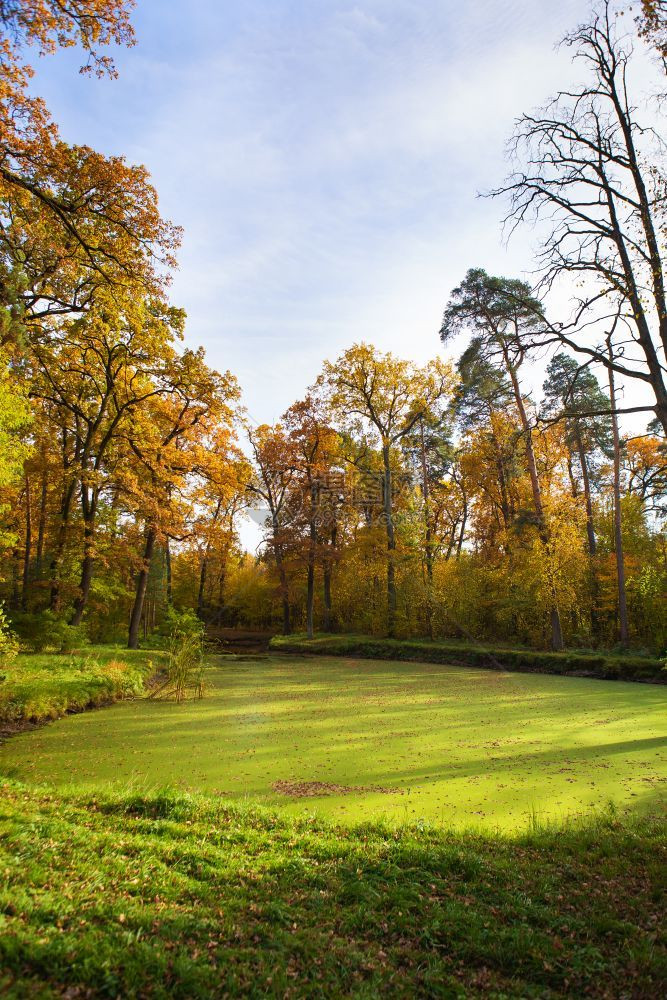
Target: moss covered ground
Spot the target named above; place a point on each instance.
(357, 740)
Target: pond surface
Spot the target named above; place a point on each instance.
(356, 739)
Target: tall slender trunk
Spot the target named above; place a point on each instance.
(89, 503)
(167, 566)
(635, 288)
(624, 631)
(203, 572)
(282, 573)
(391, 544)
(554, 615)
(140, 590)
(590, 530)
(312, 550)
(428, 533)
(61, 539)
(452, 539)
(570, 475)
(86, 577)
(222, 579)
(27, 546)
(284, 594)
(585, 478)
(15, 596)
(326, 582)
(310, 599)
(41, 528)
(505, 508)
(202, 582)
(462, 532)
(504, 502)
(326, 594)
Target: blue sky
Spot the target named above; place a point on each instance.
(323, 158)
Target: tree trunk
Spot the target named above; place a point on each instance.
(89, 508)
(15, 597)
(504, 503)
(326, 573)
(590, 528)
(391, 545)
(590, 531)
(570, 476)
(284, 593)
(282, 576)
(167, 566)
(326, 587)
(556, 630)
(27, 547)
(202, 583)
(205, 560)
(86, 578)
(618, 527)
(61, 538)
(428, 534)
(452, 540)
(140, 592)
(500, 466)
(312, 552)
(42, 525)
(462, 532)
(310, 599)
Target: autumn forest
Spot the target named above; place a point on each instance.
(366, 727)
(452, 499)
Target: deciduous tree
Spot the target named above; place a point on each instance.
(593, 175)
(388, 396)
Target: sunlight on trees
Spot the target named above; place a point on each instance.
(436, 500)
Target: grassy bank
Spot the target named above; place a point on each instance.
(173, 896)
(36, 687)
(605, 666)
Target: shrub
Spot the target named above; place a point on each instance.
(185, 668)
(626, 668)
(180, 623)
(9, 645)
(44, 630)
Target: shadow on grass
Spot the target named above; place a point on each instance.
(172, 895)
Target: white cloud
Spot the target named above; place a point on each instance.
(324, 159)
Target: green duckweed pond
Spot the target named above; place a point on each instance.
(357, 739)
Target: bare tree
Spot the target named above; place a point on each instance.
(589, 172)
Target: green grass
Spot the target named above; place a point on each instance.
(173, 896)
(36, 687)
(453, 745)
